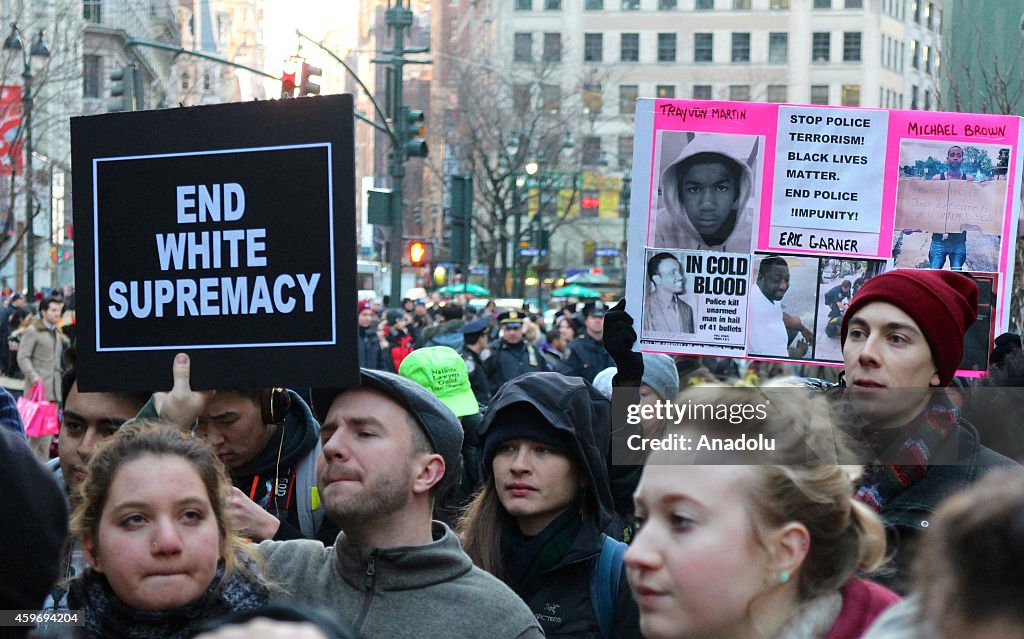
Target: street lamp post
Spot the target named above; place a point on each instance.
(38, 50)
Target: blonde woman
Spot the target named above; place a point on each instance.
(754, 545)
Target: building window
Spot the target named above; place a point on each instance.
(594, 5)
(741, 47)
(917, 11)
(552, 5)
(523, 49)
(851, 46)
(185, 81)
(741, 4)
(552, 47)
(914, 44)
(591, 150)
(521, 98)
(702, 47)
(778, 47)
(927, 100)
(666, 47)
(551, 96)
(822, 4)
(593, 47)
(629, 47)
(666, 5)
(92, 10)
(926, 57)
(777, 93)
(705, 5)
(914, 97)
(854, 4)
(702, 92)
(819, 94)
(91, 65)
(780, 4)
(630, 5)
(739, 92)
(666, 91)
(628, 93)
(206, 81)
(625, 151)
(593, 101)
(524, 5)
(851, 95)
(821, 42)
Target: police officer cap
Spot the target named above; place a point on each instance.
(594, 310)
(511, 319)
(476, 326)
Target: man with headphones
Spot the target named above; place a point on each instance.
(269, 442)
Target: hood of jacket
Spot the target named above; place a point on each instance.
(572, 405)
(299, 432)
(673, 221)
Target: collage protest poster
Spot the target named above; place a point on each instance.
(220, 231)
(815, 201)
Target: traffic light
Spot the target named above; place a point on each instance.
(291, 69)
(415, 129)
(308, 86)
(122, 84)
(419, 252)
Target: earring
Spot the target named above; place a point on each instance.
(783, 576)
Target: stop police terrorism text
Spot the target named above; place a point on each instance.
(231, 248)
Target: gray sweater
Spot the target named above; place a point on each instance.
(407, 592)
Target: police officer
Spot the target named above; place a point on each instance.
(512, 356)
(475, 353)
(587, 356)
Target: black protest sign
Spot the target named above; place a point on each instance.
(226, 232)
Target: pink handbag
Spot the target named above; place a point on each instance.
(38, 415)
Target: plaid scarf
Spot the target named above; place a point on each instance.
(107, 617)
(904, 453)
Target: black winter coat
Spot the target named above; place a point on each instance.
(560, 596)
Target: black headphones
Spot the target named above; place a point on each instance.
(274, 405)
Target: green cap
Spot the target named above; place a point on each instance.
(442, 371)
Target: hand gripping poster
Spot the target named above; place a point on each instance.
(753, 225)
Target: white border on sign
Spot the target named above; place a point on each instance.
(96, 247)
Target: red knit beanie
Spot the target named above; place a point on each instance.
(944, 304)
(362, 305)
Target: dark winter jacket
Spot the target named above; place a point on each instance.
(587, 358)
(954, 466)
(371, 355)
(560, 596)
(444, 334)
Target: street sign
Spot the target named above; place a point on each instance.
(220, 231)
(607, 251)
(531, 251)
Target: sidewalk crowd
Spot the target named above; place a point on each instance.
(480, 482)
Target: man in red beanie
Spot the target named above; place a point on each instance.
(902, 338)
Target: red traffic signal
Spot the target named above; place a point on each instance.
(292, 68)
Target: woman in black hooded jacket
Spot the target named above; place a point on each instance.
(537, 523)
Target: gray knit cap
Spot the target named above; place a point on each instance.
(661, 375)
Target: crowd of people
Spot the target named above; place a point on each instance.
(483, 480)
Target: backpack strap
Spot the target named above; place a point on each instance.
(604, 582)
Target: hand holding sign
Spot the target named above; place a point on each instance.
(181, 406)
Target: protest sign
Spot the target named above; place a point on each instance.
(834, 194)
(221, 231)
